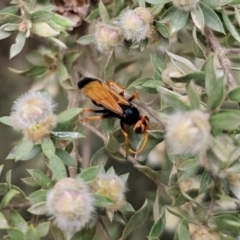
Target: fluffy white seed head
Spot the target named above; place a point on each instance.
(186, 5)
(32, 114)
(188, 133)
(112, 187)
(136, 24)
(107, 37)
(71, 204)
(202, 233)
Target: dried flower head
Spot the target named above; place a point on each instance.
(186, 5)
(136, 24)
(107, 37)
(112, 187)
(71, 204)
(32, 114)
(188, 133)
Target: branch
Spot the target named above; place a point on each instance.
(232, 50)
(122, 151)
(223, 60)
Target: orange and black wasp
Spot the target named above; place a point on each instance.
(115, 105)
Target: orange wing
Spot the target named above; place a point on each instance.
(103, 95)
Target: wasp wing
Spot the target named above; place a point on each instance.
(101, 94)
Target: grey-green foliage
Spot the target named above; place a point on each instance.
(182, 69)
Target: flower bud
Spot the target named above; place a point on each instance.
(107, 37)
(71, 204)
(136, 24)
(112, 187)
(201, 233)
(32, 114)
(188, 133)
(186, 5)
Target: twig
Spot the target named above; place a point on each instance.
(209, 212)
(223, 60)
(103, 229)
(232, 50)
(122, 151)
(17, 206)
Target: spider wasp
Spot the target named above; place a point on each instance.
(114, 105)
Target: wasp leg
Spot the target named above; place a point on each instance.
(90, 118)
(146, 134)
(121, 91)
(125, 137)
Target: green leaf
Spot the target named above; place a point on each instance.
(17, 47)
(9, 196)
(63, 76)
(89, 174)
(17, 221)
(86, 39)
(9, 18)
(147, 171)
(217, 3)
(197, 77)
(44, 30)
(100, 157)
(181, 63)
(40, 178)
(37, 196)
(31, 72)
(30, 181)
(15, 234)
(94, 14)
(211, 18)
(3, 222)
(103, 12)
(136, 220)
(71, 57)
(57, 233)
(84, 234)
(189, 167)
(193, 96)
(226, 120)
(32, 233)
(4, 34)
(198, 17)
(57, 167)
(233, 95)
(14, 153)
(61, 21)
(68, 115)
(162, 29)
(168, 14)
(227, 222)
(23, 149)
(41, 16)
(213, 84)
(198, 49)
(43, 228)
(157, 64)
(141, 3)
(112, 144)
(102, 201)
(150, 86)
(109, 67)
(157, 227)
(231, 28)
(12, 10)
(182, 232)
(1, 168)
(48, 148)
(66, 157)
(171, 99)
(205, 182)
(6, 120)
(178, 21)
(67, 135)
(38, 208)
